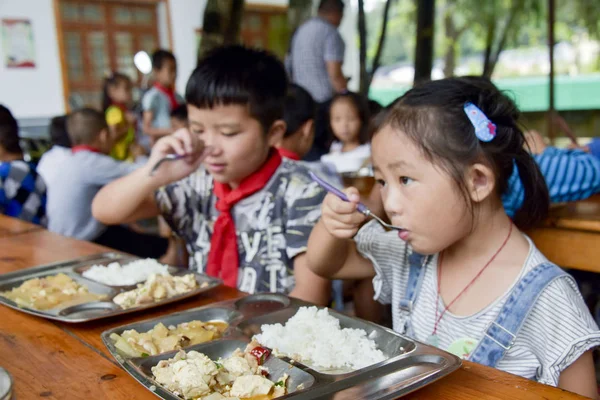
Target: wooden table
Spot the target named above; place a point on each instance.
(571, 235)
(68, 361)
(12, 226)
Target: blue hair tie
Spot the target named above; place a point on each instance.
(485, 130)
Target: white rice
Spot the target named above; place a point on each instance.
(314, 337)
(129, 274)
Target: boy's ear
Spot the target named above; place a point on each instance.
(481, 182)
(276, 132)
(308, 130)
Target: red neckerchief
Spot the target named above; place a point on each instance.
(121, 106)
(170, 93)
(288, 154)
(84, 147)
(223, 258)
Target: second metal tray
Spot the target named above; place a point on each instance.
(409, 364)
(95, 310)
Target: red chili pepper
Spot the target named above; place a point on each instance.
(261, 354)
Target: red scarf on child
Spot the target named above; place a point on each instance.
(84, 147)
(223, 259)
(288, 154)
(170, 93)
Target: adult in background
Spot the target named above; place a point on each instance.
(315, 63)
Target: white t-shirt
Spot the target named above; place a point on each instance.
(557, 331)
(349, 161)
(72, 181)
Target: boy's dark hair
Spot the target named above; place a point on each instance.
(432, 116)
(298, 107)
(180, 113)
(58, 131)
(374, 107)
(9, 132)
(242, 76)
(331, 6)
(159, 57)
(113, 80)
(361, 105)
(84, 125)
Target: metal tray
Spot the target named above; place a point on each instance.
(91, 311)
(409, 366)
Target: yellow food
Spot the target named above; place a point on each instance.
(161, 339)
(51, 292)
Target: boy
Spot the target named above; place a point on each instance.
(299, 115)
(83, 172)
(22, 190)
(179, 117)
(245, 214)
(51, 163)
(161, 99)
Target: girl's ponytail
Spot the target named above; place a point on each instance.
(537, 200)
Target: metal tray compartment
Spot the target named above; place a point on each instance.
(91, 311)
(409, 365)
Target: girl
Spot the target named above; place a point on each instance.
(115, 102)
(459, 274)
(349, 120)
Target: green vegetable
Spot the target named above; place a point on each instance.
(145, 355)
(218, 365)
(279, 383)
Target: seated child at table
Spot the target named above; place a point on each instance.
(22, 190)
(116, 100)
(179, 117)
(51, 163)
(459, 274)
(349, 122)
(299, 115)
(244, 212)
(83, 172)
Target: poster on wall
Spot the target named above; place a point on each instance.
(18, 45)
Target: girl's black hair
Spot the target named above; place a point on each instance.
(9, 132)
(114, 79)
(432, 116)
(361, 105)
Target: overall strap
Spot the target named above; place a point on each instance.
(416, 275)
(500, 334)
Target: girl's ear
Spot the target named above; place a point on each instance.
(481, 182)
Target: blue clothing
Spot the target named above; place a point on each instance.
(569, 174)
(22, 192)
(594, 147)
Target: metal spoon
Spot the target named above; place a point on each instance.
(169, 157)
(360, 207)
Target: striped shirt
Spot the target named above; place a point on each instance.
(314, 44)
(558, 330)
(569, 174)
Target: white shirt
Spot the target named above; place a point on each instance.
(558, 330)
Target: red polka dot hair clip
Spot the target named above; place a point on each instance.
(485, 130)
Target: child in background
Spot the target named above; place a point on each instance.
(82, 175)
(22, 190)
(349, 119)
(179, 117)
(161, 99)
(115, 103)
(459, 274)
(51, 164)
(299, 116)
(244, 213)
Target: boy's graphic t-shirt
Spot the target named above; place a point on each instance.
(273, 224)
